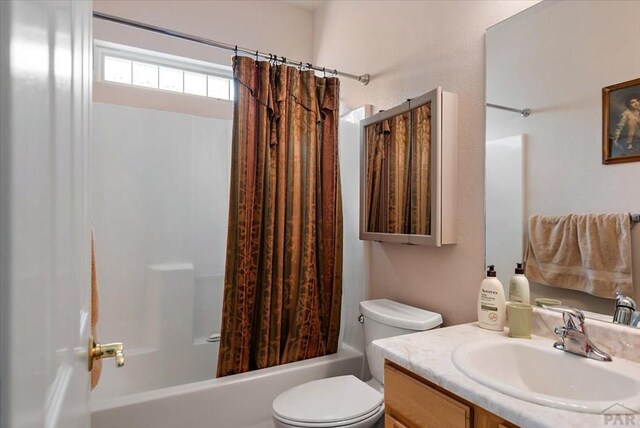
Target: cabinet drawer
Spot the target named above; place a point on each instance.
(415, 404)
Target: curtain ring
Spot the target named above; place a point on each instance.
(310, 66)
(235, 50)
(324, 72)
(300, 65)
(335, 72)
(257, 56)
(284, 60)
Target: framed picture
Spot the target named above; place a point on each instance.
(621, 122)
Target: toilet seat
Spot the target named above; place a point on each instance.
(373, 416)
(333, 402)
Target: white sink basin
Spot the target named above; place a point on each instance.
(534, 371)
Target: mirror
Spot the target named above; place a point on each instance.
(398, 173)
(555, 58)
(402, 186)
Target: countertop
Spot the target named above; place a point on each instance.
(428, 354)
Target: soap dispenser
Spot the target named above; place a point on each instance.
(491, 302)
(519, 286)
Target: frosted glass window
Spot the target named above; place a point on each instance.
(145, 75)
(195, 83)
(157, 76)
(171, 79)
(232, 90)
(218, 87)
(117, 70)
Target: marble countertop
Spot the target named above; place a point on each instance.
(428, 354)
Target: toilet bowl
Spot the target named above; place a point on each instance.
(346, 401)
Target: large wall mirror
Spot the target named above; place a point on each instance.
(555, 58)
(408, 172)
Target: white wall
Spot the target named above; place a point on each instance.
(410, 48)
(555, 59)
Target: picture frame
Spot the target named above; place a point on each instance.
(621, 122)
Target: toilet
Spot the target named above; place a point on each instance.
(346, 401)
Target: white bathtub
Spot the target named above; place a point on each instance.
(238, 401)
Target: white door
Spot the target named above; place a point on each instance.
(45, 93)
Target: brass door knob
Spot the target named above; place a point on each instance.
(98, 351)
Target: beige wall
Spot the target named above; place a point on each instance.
(268, 26)
(410, 48)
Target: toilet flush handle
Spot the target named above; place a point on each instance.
(361, 319)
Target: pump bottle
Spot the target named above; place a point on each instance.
(519, 286)
(491, 302)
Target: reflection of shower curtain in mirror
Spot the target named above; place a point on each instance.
(388, 150)
(420, 170)
(283, 275)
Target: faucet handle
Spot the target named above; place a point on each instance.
(573, 317)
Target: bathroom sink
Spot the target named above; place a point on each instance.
(534, 371)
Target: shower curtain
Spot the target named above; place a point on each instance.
(283, 273)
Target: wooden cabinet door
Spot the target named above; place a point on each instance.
(390, 422)
(415, 404)
(484, 419)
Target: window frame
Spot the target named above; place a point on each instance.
(104, 49)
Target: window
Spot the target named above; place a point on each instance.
(136, 67)
(117, 70)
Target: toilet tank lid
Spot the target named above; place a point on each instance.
(399, 315)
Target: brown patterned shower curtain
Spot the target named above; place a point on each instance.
(283, 274)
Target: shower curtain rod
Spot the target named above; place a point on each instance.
(363, 78)
(525, 112)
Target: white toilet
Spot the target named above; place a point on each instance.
(346, 401)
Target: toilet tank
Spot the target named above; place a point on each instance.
(386, 318)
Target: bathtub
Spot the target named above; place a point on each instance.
(238, 401)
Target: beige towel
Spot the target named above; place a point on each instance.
(97, 365)
(589, 253)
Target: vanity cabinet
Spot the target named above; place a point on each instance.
(414, 402)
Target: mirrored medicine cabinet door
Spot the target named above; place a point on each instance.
(408, 172)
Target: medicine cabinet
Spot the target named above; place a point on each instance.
(408, 170)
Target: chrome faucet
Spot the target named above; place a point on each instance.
(626, 311)
(574, 335)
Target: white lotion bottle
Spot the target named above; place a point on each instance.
(519, 286)
(491, 302)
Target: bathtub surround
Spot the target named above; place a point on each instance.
(283, 274)
(157, 182)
